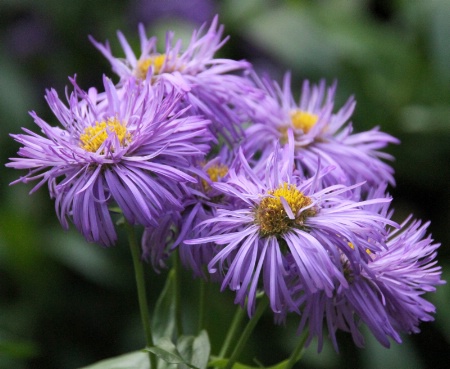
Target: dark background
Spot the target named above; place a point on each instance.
(66, 304)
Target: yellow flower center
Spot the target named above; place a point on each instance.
(94, 136)
(271, 215)
(303, 120)
(156, 61)
(215, 173)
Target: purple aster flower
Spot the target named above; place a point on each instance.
(214, 91)
(319, 133)
(200, 206)
(385, 293)
(280, 218)
(125, 147)
(156, 239)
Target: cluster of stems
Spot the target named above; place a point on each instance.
(236, 324)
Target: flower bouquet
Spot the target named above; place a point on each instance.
(210, 166)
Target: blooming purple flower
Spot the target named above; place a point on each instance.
(280, 218)
(157, 238)
(213, 90)
(385, 293)
(319, 133)
(126, 147)
(200, 206)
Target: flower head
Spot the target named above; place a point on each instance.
(127, 147)
(385, 293)
(319, 133)
(200, 205)
(212, 88)
(277, 218)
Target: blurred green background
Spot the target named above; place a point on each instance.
(65, 303)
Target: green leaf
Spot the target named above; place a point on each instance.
(403, 356)
(441, 299)
(294, 37)
(192, 352)
(195, 350)
(133, 360)
(167, 351)
(440, 33)
(18, 349)
(71, 250)
(164, 314)
(185, 346)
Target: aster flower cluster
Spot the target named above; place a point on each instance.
(256, 191)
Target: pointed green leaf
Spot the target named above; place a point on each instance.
(164, 314)
(132, 360)
(195, 350)
(185, 346)
(202, 350)
(166, 350)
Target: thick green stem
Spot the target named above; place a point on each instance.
(235, 325)
(298, 351)
(141, 290)
(247, 332)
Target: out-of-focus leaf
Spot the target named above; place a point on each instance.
(133, 360)
(440, 35)
(440, 300)
(163, 321)
(425, 119)
(17, 349)
(327, 358)
(291, 35)
(16, 98)
(399, 356)
(89, 260)
(240, 11)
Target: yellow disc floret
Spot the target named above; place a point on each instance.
(303, 120)
(94, 136)
(215, 173)
(271, 215)
(156, 61)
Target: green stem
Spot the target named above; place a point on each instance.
(177, 292)
(235, 325)
(247, 332)
(141, 290)
(298, 351)
(201, 306)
